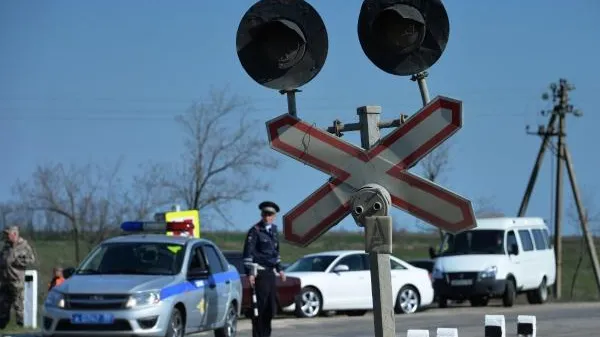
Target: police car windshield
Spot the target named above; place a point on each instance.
(134, 258)
(486, 241)
(311, 263)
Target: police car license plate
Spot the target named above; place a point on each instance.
(461, 282)
(92, 319)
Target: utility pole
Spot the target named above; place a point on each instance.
(560, 97)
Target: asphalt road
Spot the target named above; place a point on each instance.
(553, 320)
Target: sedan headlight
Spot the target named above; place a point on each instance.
(489, 272)
(142, 299)
(55, 299)
(437, 273)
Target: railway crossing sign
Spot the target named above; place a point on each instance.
(386, 164)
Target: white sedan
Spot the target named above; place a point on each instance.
(341, 281)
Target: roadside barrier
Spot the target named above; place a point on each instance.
(495, 326)
(30, 296)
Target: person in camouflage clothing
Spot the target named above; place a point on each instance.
(15, 257)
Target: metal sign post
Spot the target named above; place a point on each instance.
(370, 209)
(371, 206)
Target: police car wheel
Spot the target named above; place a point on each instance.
(176, 327)
(230, 327)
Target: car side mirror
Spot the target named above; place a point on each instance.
(68, 272)
(514, 249)
(341, 268)
(198, 273)
(431, 253)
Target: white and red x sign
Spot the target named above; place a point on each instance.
(352, 167)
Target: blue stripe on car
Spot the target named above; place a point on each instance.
(192, 285)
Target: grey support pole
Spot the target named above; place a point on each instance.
(420, 78)
(370, 209)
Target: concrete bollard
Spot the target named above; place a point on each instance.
(30, 295)
(417, 333)
(495, 326)
(447, 332)
(526, 326)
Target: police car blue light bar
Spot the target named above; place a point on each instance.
(154, 226)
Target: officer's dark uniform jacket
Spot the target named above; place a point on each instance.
(262, 247)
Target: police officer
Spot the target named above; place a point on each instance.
(262, 249)
(15, 257)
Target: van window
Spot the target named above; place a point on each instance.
(547, 238)
(538, 238)
(483, 241)
(511, 239)
(526, 240)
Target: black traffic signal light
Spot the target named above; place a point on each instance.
(282, 44)
(403, 37)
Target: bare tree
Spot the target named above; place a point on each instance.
(222, 148)
(436, 163)
(77, 193)
(91, 199)
(5, 211)
(147, 193)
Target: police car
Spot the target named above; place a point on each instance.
(147, 285)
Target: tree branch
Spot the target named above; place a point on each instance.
(222, 151)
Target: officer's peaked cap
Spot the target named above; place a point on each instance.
(268, 206)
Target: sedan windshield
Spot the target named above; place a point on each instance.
(134, 258)
(311, 263)
(474, 242)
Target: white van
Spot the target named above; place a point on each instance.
(500, 258)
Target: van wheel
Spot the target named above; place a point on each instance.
(508, 299)
(176, 328)
(479, 301)
(539, 295)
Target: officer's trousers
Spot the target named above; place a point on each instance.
(266, 292)
(11, 296)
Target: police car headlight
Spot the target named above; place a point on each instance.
(489, 272)
(55, 299)
(143, 299)
(437, 273)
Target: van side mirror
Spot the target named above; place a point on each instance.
(432, 254)
(514, 249)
